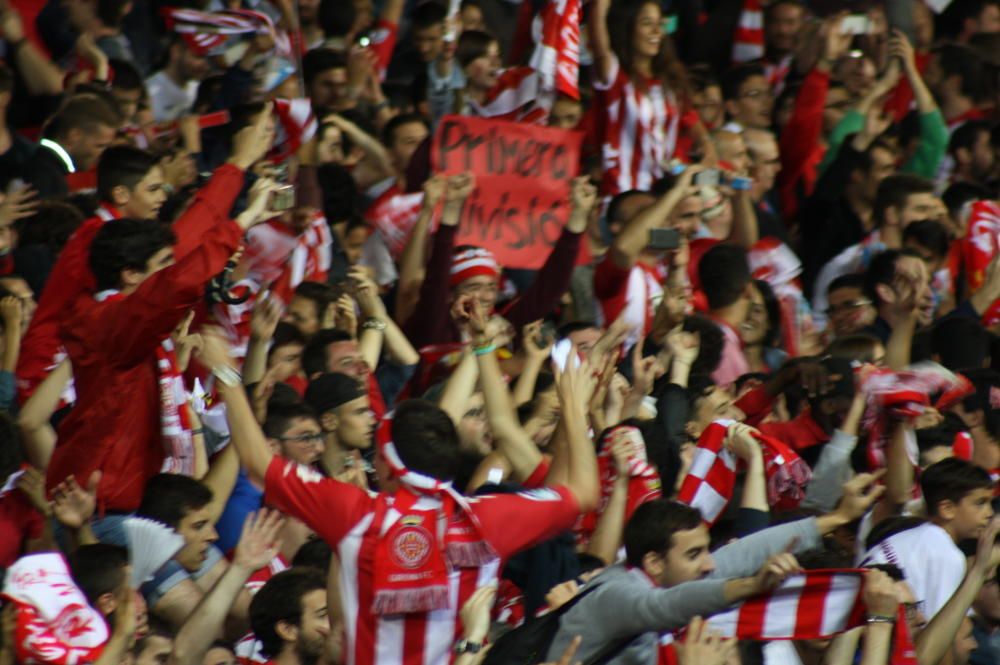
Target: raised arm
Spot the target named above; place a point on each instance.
(246, 435)
(258, 545)
(40, 74)
(263, 322)
(512, 441)
(574, 386)
(600, 41)
(607, 537)
(34, 420)
(391, 338)
(635, 236)
(413, 262)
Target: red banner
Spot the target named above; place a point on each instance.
(523, 173)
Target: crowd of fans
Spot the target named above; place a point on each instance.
(261, 405)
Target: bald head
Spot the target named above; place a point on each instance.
(731, 149)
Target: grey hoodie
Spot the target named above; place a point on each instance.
(626, 602)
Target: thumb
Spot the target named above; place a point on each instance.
(94, 481)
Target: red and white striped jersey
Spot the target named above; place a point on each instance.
(637, 129)
(342, 515)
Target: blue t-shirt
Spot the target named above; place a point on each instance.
(244, 500)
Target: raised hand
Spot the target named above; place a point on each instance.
(535, 346)
(265, 318)
(582, 194)
(703, 646)
(434, 190)
(347, 319)
(366, 293)
(684, 346)
(214, 350)
(73, 506)
(259, 541)
(253, 141)
(18, 204)
(11, 311)
(880, 594)
(575, 384)
(475, 613)
(740, 440)
(776, 570)
(32, 485)
(987, 549)
(259, 205)
(859, 494)
(458, 188)
(644, 370)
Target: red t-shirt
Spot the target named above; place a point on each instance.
(19, 523)
(341, 514)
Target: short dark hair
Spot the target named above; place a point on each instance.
(882, 270)
(773, 312)
(711, 343)
(702, 76)
(612, 213)
(126, 76)
(724, 274)
(99, 569)
(51, 225)
(964, 62)
(952, 480)
(321, 294)
(284, 334)
(895, 190)
(335, 17)
(653, 525)
(965, 135)
(960, 193)
(426, 439)
(340, 192)
(111, 12)
(941, 435)
(85, 112)
(929, 234)
(169, 497)
(126, 244)
(472, 44)
(391, 127)
(735, 77)
(866, 160)
(314, 355)
(122, 165)
(567, 329)
(319, 60)
(314, 553)
(427, 15)
(280, 599)
(859, 346)
(280, 419)
(849, 281)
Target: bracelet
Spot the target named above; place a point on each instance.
(227, 375)
(880, 618)
(198, 430)
(465, 646)
(484, 350)
(373, 324)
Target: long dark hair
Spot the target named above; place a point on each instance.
(622, 20)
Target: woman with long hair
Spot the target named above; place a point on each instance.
(642, 97)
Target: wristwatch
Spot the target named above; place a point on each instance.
(374, 324)
(227, 375)
(465, 646)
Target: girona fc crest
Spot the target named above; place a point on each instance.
(411, 547)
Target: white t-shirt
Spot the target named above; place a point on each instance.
(168, 100)
(931, 562)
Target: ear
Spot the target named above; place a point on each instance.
(946, 509)
(653, 564)
(274, 445)
(131, 277)
(329, 421)
(732, 107)
(962, 156)
(287, 631)
(885, 292)
(106, 603)
(120, 195)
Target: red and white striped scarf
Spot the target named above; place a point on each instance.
(296, 125)
(980, 245)
(712, 476)
(748, 40)
(419, 540)
(175, 421)
(206, 33)
(644, 481)
(393, 215)
(895, 395)
(54, 624)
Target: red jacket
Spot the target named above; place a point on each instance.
(800, 432)
(115, 425)
(801, 151)
(70, 277)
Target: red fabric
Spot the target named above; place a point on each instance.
(383, 40)
(393, 215)
(801, 150)
(302, 493)
(71, 277)
(112, 346)
(901, 99)
(798, 433)
(19, 523)
(537, 477)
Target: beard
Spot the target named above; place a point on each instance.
(309, 651)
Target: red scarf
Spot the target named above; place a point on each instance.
(175, 422)
(422, 536)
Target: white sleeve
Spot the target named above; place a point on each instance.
(943, 580)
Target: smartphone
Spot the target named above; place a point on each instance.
(662, 239)
(709, 177)
(283, 199)
(855, 24)
(560, 355)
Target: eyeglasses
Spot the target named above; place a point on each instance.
(303, 439)
(847, 306)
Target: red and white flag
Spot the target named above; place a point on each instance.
(296, 125)
(393, 215)
(526, 94)
(54, 624)
(748, 40)
(709, 484)
(211, 32)
(980, 245)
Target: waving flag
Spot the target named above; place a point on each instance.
(980, 245)
(296, 125)
(208, 33)
(748, 40)
(709, 484)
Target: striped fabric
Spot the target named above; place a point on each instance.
(748, 40)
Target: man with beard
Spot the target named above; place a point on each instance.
(289, 617)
